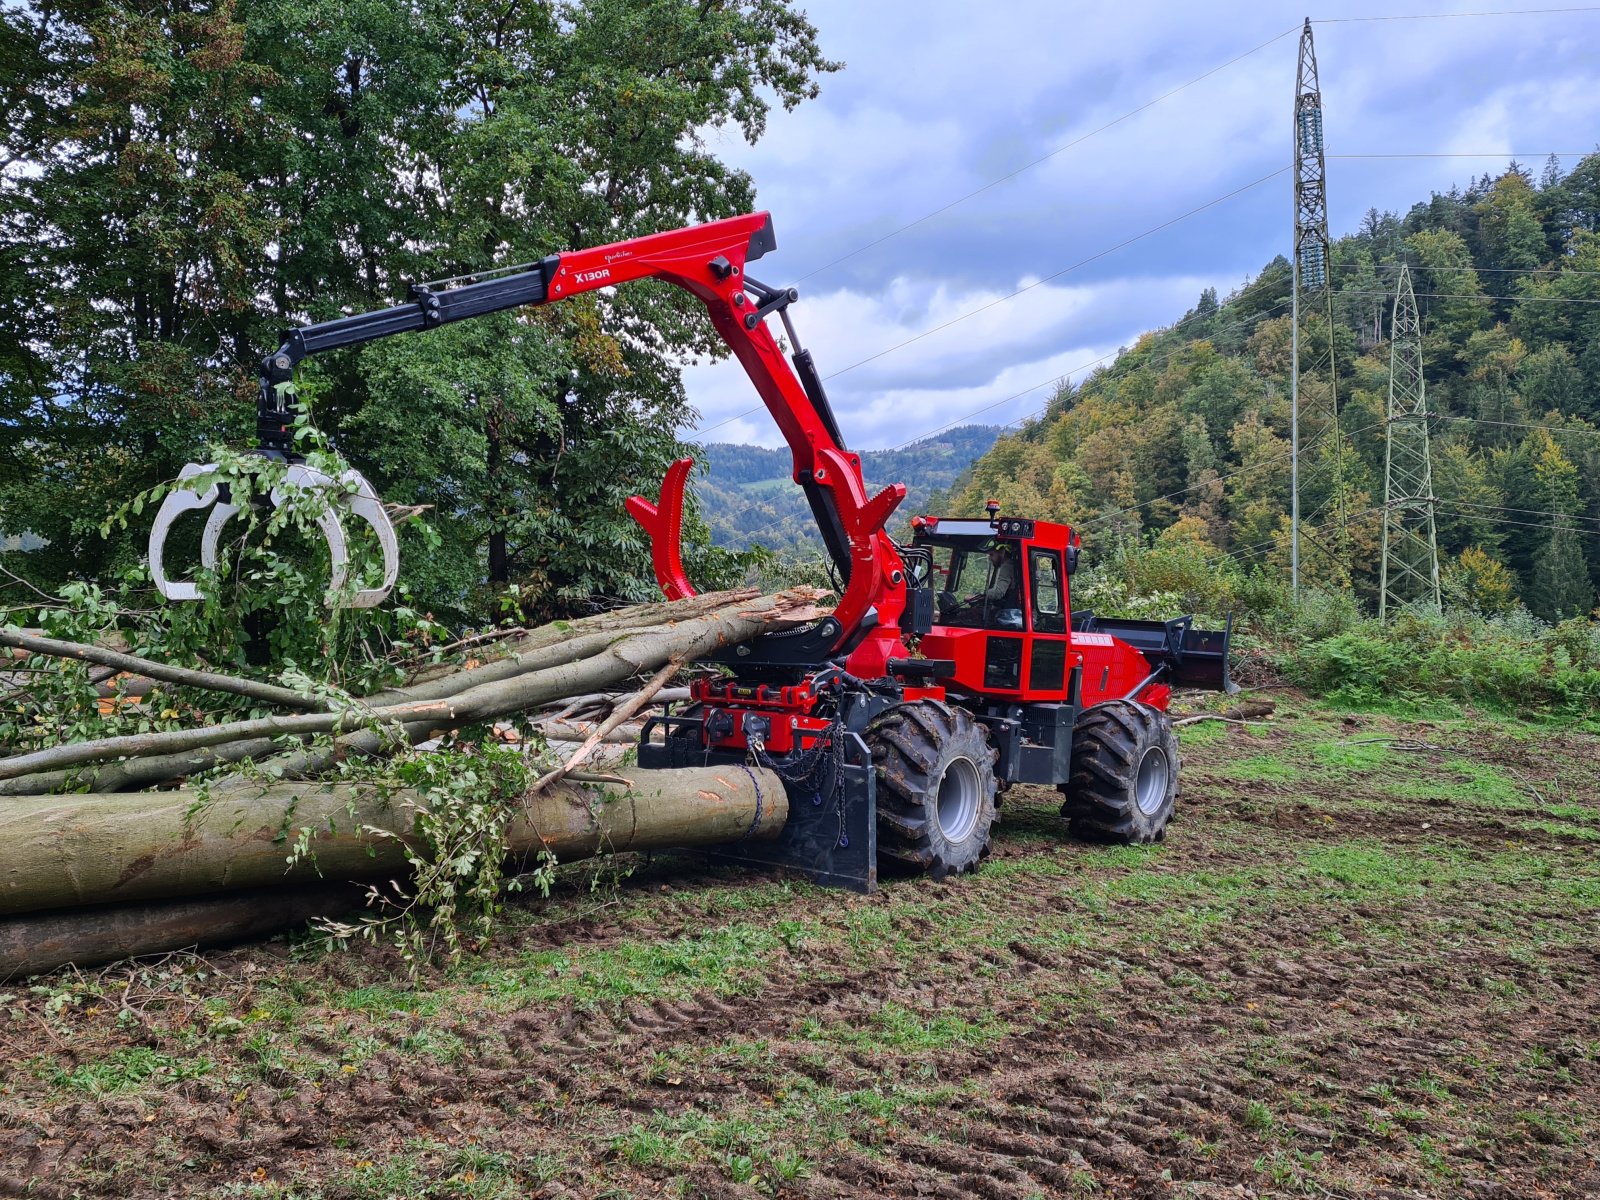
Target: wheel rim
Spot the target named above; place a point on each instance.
(958, 800)
(1150, 785)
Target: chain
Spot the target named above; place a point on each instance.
(755, 782)
(808, 770)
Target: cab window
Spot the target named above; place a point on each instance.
(1049, 605)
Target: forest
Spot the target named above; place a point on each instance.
(1507, 277)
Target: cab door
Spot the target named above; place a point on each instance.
(1049, 643)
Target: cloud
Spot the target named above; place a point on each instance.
(888, 389)
(941, 97)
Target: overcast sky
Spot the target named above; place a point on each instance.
(940, 97)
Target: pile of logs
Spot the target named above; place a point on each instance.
(106, 850)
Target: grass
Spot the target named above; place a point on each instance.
(128, 1069)
(1295, 965)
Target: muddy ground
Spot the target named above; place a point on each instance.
(1366, 963)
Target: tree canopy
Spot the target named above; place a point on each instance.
(180, 181)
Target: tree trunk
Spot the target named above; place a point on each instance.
(65, 851)
(91, 937)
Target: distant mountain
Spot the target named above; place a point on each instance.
(748, 497)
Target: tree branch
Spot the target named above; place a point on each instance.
(622, 712)
(133, 664)
(621, 658)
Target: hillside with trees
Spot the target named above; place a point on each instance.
(1507, 276)
(747, 494)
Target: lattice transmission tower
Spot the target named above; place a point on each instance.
(1316, 466)
(1410, 570)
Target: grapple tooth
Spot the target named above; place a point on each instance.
(363, 502)
(178, 501)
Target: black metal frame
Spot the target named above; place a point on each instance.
(427, 309)
(833, 840)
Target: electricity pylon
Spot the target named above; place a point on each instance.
(1410, 571)
(1314, 423)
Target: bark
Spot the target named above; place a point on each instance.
(267, 693)
(68, 851)
(638, 616)
(622, 713)
(565, 731)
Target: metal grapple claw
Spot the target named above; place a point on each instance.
(179, 501)
(663, 524)
(350, 491)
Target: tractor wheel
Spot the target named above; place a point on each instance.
(1124, 781)
(936, 787)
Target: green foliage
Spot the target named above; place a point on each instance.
(200, 179)
(267, 612)
(129, 1069)
(457, 850)
(1513, 662)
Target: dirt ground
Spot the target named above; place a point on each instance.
(1365, 963)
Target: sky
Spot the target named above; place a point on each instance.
(939, 98)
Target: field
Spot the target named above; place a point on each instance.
(1366, 962)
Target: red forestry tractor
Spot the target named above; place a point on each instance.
(951, 668)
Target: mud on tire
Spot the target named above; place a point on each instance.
(1124, 781)
(935, 787)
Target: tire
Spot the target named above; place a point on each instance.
(1123, 785)
(935, 787)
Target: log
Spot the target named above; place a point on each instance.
(90, 937)
(68, 851)
(539, 677)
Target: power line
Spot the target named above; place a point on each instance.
(1504, 12)
(1509, 154)
(1578, 529)
(1535, 512)
(993, 183)
(1525, 425)
(1238, 323)
(1256, 466)
(1071, 371)
(1482, 296)
(1058, 274)
(1552, 272)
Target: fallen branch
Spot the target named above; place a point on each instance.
(565, 731)
(1394, 744)
(621, 658)
(622, 713)
(134, 665)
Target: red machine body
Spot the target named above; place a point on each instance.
(894, 720)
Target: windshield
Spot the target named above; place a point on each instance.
(958, 575)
